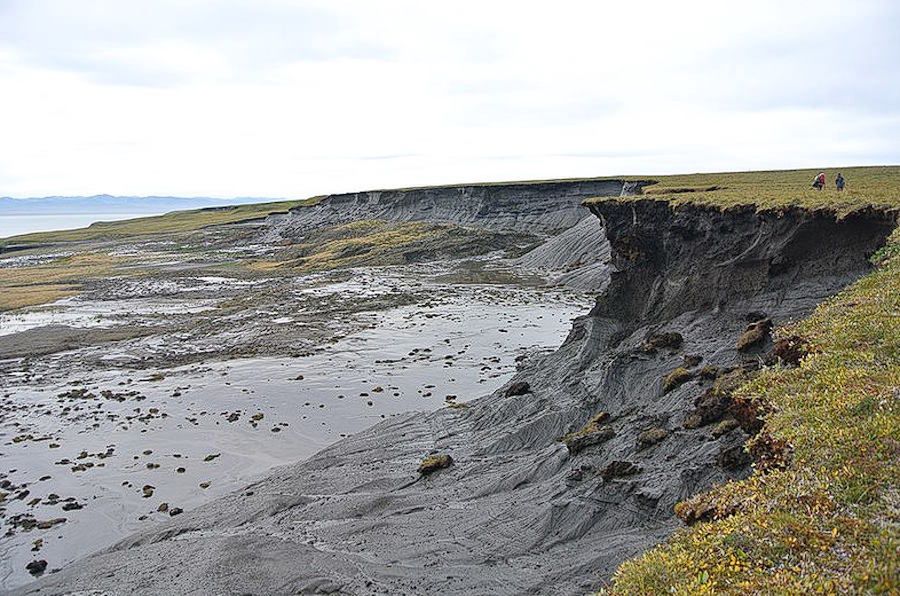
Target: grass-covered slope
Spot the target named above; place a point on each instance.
(874, 185)
(174, 222)
(824, 515)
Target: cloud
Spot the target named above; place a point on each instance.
(296, 98)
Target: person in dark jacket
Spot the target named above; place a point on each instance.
(839, 182)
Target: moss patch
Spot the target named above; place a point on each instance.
(433, 463)
(47, 282)
(676, 378)
(596, 431)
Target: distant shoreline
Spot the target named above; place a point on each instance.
(17, 224)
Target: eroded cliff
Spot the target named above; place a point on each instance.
(557, 478)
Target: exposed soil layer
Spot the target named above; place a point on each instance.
(543, 207)
(517, 510)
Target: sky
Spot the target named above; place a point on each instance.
(291, 99)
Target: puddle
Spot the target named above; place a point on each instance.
(76, 312)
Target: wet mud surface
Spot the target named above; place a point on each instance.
(543, 486)
(147, 396)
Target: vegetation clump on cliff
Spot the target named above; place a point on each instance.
(433, 463)
(827, 521)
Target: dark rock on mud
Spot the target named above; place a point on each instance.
(754, 335)
(595, 432)
(517, 388)
(669, 339)
(652, 436)
(36, 567)
(618, 469)
(676, 378)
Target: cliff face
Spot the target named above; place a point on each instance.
(545, 207)
(520, 510)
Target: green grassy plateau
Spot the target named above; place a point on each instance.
(875, 185)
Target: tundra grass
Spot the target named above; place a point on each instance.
(830, 521)
(866, 186)
(48, 282)
(174, 222)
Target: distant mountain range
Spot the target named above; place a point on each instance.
(113, 204)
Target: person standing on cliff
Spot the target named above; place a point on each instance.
(819, 181)
(839, 182)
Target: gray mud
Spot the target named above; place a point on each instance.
(96, 437)
(151, 394)
(518, 511)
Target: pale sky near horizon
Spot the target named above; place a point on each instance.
(290, 99)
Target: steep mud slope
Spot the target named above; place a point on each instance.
(577, 257)
(538, 207)
(517, 510)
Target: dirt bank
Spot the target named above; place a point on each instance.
(556, 478)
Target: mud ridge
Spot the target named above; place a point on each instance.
(555, 479)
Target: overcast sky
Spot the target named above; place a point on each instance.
(289, 99)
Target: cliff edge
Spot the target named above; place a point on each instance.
(556, 479)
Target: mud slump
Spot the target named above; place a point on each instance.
(94, 455)
(547, 484)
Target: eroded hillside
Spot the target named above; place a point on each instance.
(571, 468)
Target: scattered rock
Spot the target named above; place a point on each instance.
(163, 507)
(676, 378)
(755, 334)
(669, 339)
(594, 432)
(176, 511)
(618, 469)
(433, 463)
(651, 437)
(517, 388)
(692, 360)
(36, 567)
(147, 491)
(211, 457)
